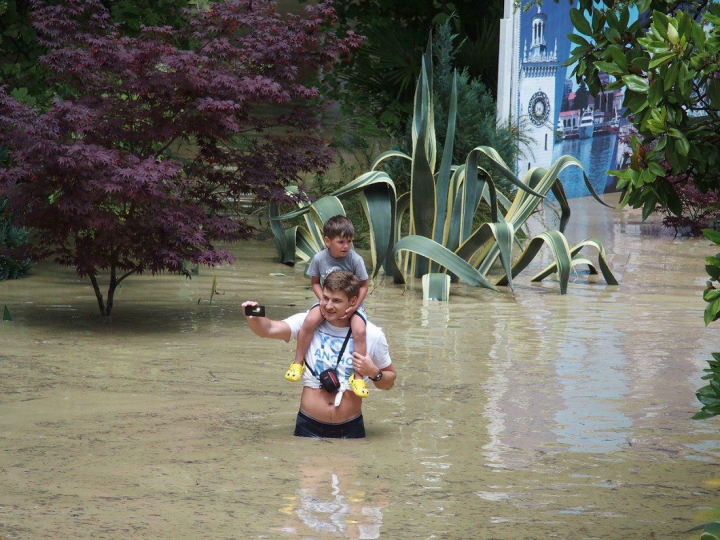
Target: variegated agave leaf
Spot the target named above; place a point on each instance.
(426, 247)
(436, 286)
(388, 155)
(560, 249)
(608, 276)
(301, 242)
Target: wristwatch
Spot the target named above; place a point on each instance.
(377, 377)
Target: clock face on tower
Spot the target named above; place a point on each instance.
(539, 108)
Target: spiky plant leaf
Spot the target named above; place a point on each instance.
(426, 247)
(388, 155)
(560, 249)
(423, 203)
(436, 286)
(442, 187)
(602, 262)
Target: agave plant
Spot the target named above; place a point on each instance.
(440, 208)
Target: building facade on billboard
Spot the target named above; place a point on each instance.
(558, 115)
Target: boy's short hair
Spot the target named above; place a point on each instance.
(344, 281)
(339, 226)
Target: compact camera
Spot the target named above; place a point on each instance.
(255, 311)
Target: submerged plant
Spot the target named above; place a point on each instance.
(431, 228)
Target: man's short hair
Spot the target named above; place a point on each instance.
(339, 226)
(344, 281)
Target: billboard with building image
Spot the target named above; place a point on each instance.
(556, 113)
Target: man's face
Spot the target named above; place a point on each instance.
(338, 246)
(334, 304)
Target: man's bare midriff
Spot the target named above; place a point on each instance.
(320, 404)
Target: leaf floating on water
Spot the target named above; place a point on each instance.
(276, 274)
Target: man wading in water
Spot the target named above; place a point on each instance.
(326, 409)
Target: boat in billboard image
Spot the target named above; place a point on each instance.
(587, 124)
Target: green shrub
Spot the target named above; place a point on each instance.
(11, 237)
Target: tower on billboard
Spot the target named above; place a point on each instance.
(538, 70)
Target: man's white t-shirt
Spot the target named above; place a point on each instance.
(326, 344)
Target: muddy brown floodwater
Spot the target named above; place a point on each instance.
(543, 416)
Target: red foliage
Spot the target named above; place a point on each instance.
(98, 177)
(699, 210)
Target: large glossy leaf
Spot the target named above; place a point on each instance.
(559, 192)
(504, 235)
(492, 197)
(285, 244)
(444, 257)
(306, 245)
(423, 203)
(469, 195)
(602, 258)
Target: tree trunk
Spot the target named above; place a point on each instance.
(111, 295)
(98, 294)
(106, 308)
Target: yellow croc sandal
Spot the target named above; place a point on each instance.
(358, 386)
(295, 372)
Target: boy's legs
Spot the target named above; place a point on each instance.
(358, 326)
(311, 322)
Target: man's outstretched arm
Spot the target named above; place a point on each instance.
(267, 328)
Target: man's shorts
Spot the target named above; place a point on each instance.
(307, 426)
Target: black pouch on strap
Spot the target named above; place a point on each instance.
(329, 380)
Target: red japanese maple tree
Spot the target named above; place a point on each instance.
(99, 177)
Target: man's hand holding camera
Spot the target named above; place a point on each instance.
(261, 325)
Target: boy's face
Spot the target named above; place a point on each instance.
(334, 304)
(338, 246)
